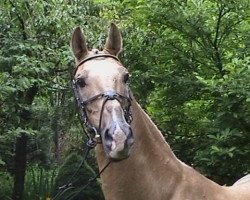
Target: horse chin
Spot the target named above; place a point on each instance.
(118, 156)
(117, 144)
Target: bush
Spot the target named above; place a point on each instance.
(6, 185)
(76, 191)
(39, 183)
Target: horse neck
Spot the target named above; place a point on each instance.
(150, 142)
(151, 159)
(152, 169)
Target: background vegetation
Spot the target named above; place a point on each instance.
(190, 66)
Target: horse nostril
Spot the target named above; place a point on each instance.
(108, 139)
(130, 137)
(129, 133)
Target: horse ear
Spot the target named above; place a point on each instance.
(114, 41)
(78, 44)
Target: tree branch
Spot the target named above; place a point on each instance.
(21, 21)
(221, 13)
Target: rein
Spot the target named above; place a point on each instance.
(93, 134)
(68, 185)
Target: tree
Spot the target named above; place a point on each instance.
(188, 59)
(36, 65)
(190, 69)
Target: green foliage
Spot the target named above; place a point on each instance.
(39, 183)
(231, 118)
(35, 71)
(190, 69)
(76, 190)
(6, 185)
(190, 66)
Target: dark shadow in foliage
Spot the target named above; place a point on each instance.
(66, 171)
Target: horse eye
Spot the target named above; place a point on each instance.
(81, 82)
(126, 78)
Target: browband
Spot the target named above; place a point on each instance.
(105, 55)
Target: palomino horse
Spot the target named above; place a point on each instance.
(144, 167)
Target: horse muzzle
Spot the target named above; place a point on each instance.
(117, 142)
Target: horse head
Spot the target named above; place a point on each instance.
(102, 90)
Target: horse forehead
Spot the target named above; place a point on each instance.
(103, 69)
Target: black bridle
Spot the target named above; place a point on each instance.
(93, 134)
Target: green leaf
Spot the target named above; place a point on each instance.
(2, 162)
